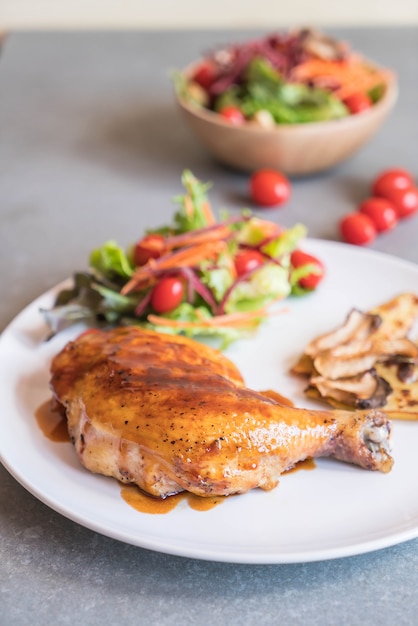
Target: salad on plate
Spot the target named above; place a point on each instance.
(197, 276)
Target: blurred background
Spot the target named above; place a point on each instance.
(27, 14)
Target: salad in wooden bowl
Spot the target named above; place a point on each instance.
(298, 101)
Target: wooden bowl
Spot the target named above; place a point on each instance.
(294, 149)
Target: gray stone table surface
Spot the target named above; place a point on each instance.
(92, 147)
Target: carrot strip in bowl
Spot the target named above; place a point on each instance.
(351, 75)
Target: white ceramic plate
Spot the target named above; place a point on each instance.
(336, 510)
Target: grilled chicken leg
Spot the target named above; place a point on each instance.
(170, 414)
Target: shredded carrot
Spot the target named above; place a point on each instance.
(215, 322)
(191, 255)
(185, 257)
(188, 205)
(247, 319)
(200, 236)
(207, 211)
(206, 208)
(351, 75)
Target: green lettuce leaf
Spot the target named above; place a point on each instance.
(191, 215)
(111, 261)
(220, 336)
(286, 242)
(262, 80)
(266, 285)
(218, 279)
(288, 103)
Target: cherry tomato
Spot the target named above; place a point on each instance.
(405, 201)
(358, 229)
(299, 258)
(205, 74)
(167, 294)
(233, 115)
(381, 211)
(247, 261)
(358, 102)
(150, 247)
(392, 179)
(269, 188)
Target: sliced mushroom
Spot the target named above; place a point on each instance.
(395, 348)
(407, 372)
(367, 390)
(358, 326)
(355, 348)
(354, 357)
(368, 361)
(334, 367)
(379, 397)
(344, 398)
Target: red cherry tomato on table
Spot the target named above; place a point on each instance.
(247, 261)
(233, 115)
(358, 102)
(167, 294)
(382, 213)
(269, 188)
(392, 179)
(358, 229)
(299, 258)
(405, 201)
(150, 247)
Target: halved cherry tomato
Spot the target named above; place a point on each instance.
(405, 201)
(167, 294)
(381, 211)
(358, 102)
(205, 74)
(269, 188)
(233, 115)
(299, 258)
(150, 247)
(392, 179)
(247, 261)
(358, 229)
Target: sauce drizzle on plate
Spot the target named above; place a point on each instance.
(52, 421)
(145, 503)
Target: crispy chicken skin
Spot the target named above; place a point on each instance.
(170, 414)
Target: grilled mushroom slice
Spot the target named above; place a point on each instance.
(355, 357)
(365, 391)
(357, 326)
(367, 362)
(403, 349)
